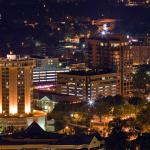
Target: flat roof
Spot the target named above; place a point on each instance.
(88, 73)
(111, 37)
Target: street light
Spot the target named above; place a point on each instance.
(91, 102)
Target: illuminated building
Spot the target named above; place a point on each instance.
(45, 104)
(16, 92)
(66, 49)
(141, 50)
(46, 71)
(55, 97)
(22, 122)
(89, 85)
(112, 52)
(108, 52)
(15, 85)
(141, 54)
(79, 67)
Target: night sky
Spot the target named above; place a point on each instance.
(13, 14)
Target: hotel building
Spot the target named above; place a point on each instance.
(15, 85)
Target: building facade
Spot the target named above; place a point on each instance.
(141, 50)
(88, 86)
(112, 52)
(15, 85)
(141, 54)
(46, 71)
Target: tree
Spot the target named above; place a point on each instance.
(110, 105)
(117, 140)
(143, 119)
(102, 108)
(118, 100)
(136, 101)
(141, 78)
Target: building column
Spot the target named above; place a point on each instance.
(1, 111)
(13, 99)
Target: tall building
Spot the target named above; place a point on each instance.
(141, 50)
(112, 52)
(15, 85)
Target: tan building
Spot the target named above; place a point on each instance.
(141, 54)
(15, 85)
(112, 52)
(89, 85)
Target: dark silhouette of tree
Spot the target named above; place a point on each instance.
(143, 118)
(117, 140)
(102, 108)
(143, 141)
(141, 79)
(118, 100)
(136, 101)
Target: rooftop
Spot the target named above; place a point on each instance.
(88, 73)
(110, 37)
(35, 134)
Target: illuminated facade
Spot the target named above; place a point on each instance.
(89, 85)
(141, 50)
(141, 54)
(114, 53)
(46, 71)
(15, 85)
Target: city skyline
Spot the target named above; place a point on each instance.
(74, 74)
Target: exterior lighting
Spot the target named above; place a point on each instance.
(72, 115)
(91, 102)
(103, 33)
(105, 27)
(60, 64)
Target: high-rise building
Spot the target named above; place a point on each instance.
(112, 52)
(15, 85)
(141, 50)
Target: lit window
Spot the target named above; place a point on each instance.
(103, 78)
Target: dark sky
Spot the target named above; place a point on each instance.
(133, 20)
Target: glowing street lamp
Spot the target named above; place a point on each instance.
(91, 102)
